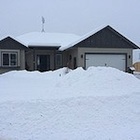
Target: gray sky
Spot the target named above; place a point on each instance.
(70, 16)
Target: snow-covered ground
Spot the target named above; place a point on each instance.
(96, 104)
(137, 74)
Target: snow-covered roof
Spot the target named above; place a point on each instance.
(61, 40)
(92, 33)
(47, 39)
(16, 39)
(83, 38)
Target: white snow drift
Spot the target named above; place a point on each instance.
(96, 104)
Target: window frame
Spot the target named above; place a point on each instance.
(9, 59)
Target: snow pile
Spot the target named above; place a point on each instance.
(101, 81)
(96, 81)
(99, 103)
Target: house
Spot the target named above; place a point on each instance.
(136, 59)
(50, 51)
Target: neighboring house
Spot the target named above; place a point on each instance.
(50, 51)
(12, 55)
(136, 59)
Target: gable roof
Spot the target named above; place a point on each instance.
(47, 39)
(82, 38)
(94, 32)
(123, 37)
(14, 43)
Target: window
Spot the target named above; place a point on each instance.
(9, 59)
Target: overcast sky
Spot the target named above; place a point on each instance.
(70, 16)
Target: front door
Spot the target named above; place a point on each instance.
(43, 62)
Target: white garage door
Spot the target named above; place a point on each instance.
(112, 60)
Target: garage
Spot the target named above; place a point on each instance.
(110, 60)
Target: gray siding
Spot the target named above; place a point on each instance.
(106, 38)
(67, 61)
(20, 60)
(10, 45)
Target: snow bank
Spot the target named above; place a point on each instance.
(96, 81)
(100, 81)
(99, 103)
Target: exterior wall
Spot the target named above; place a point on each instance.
(29, 60)
(9, 45)
(82, 51)
(69, 56)
(20, 60)
(65, 58)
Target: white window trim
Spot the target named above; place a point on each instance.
(9, 52)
